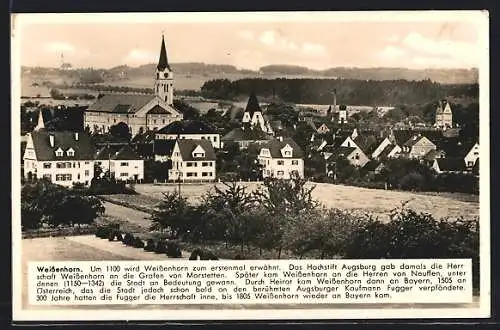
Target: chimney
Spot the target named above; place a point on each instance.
(76, 136)
(51, 140)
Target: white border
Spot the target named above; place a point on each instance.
(480, 18)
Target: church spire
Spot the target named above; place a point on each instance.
(40, 125)
(163, 61)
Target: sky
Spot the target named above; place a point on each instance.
(239, 40)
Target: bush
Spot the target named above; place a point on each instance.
(103, 232)
(173, 250)
(160, 247)
(412, 235)
(202, 255)
(138, 243)
(150, 245)
(128, 239)
(113, 233)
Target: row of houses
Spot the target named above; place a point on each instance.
(443, 153)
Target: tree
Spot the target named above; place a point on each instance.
(120, 131)
(188, 111)
(57, 205)
(56, 94)
(31, 215)
(173, 214)
(224, 207)
(286, 196)
(283, 199)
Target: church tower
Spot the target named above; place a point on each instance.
(164, 78)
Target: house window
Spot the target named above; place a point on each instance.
(476, 153)
(68, 164)
(191, 174)
(215, 139)
(87, 173)
(204, 174)
(59, 153)
(98, 163)
(124, 164)
(60, 165)
(46, 165)
(47, 177)
(281, 173)
(188, 164)
(295, 162)
(78, 176)
(281, 162)
(63, 177)
(356, 157)
(470, 164)
(163, 121)
(123, 174)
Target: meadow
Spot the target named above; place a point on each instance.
(375, 201)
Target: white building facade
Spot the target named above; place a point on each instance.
(193, 160)
(63, 158)
(282, 159)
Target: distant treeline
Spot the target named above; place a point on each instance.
(349, 91)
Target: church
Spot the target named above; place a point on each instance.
(141, 112)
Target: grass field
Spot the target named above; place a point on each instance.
(376, 201)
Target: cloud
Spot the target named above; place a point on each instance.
(60, 47)
(462, 52)
(140, 56)
(314, 49)
(279, 42)
(394, 38)
(244, 34)
(391, 52)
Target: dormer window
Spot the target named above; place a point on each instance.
(287, 151)
(70, 152)
(59, 152)
(198, 152)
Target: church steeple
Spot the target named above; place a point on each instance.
(164, 80)
(163, 61)
(41, 124)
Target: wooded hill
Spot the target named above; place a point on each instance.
(349, 91)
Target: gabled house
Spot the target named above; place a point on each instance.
(281, 158)
(390, 151)
(381, 147)
(189, 129)
(353, 154)
(444, 115)
(122, 162)
(418, 146)
(63, 158)
(323, 129)
(449, 165)
(193, 160)
(472, 156)
(253, 115)
(246, 136)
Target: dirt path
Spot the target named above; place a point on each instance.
(133, 216)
